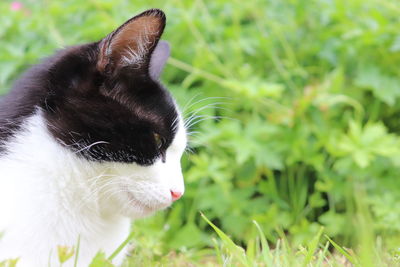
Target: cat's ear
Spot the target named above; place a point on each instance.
(133, 43)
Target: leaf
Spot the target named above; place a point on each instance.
(188, 236)
(65, 253)
(384, 87)
(100, 260)
(9, 263)
(362, 158)
(364, 144)
(333, 222)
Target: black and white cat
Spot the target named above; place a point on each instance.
(89, 139)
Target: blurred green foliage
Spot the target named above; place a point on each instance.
(298, 109)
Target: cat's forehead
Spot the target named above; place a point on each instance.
(150, 102)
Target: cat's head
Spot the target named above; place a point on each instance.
(106, 104)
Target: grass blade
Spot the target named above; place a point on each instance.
(121, 247)
(312, 247)
(78, 245)
(265, 251)
(342, 251)
(235, 250)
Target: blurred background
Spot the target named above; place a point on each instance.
(293, 112)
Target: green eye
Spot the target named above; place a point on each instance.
(159, 140)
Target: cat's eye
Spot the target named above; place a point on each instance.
(160, 141)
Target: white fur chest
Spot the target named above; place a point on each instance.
(50, 197)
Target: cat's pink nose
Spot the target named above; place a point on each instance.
(175, 195)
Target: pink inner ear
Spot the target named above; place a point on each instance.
(158, 59)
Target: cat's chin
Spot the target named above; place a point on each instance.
(136, 208)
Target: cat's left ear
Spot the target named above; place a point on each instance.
(133, 44)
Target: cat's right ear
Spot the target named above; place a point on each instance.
(132, 43)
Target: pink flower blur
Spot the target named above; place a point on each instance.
(15, 6)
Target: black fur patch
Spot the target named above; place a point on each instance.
(100, 115)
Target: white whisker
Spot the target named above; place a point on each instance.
(91, 145)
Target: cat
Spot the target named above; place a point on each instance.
(89, 140)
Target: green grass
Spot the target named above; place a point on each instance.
(319, 251)
(308, 135)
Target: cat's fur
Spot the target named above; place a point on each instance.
(89, 139)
